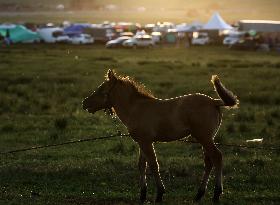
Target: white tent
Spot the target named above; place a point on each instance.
(194, 26)
(217, 23)
(182, 27)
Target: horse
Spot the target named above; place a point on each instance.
(149, 119)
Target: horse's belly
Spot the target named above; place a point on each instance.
(169, 138)
(167, 134)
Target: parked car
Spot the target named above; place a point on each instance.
(139, 41)
(117, 42)
(156, 36)
(130, 34)
(233, 38)
(82, 39)
(200, 38)
(60, 37)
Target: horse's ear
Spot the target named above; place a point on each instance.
(111, 75)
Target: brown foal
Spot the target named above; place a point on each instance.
(149, 119)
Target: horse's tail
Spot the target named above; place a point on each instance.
(227, 97)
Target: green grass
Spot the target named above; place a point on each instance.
(42, 87)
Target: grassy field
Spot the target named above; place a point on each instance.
(41, 90)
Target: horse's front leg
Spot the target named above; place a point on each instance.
(149, 152)
(142, 165)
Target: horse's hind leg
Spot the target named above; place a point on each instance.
(217, 160)
(149, 152)
(142, 165)
(207, 170)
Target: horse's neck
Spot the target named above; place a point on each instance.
(123, 103)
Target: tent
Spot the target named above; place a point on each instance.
(194, 26)
(19, 33)
(182, 27)
(76, 28)
(216, 23)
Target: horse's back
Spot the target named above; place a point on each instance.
(196, 103)
(189, 104)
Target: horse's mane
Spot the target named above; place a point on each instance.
(139, 89)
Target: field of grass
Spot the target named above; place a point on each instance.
(41, 90)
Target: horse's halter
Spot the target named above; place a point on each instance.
(108, 109)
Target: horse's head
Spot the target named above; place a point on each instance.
(100, 98)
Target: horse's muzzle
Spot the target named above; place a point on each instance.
(85, 104)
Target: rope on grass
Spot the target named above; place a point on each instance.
(119, 134)
(64, 143)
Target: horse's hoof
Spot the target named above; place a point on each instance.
(158, 199)
(199, 195)
(216, 200)
(142, 200)
(160, 196)
(217, 193)
(143, 195)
